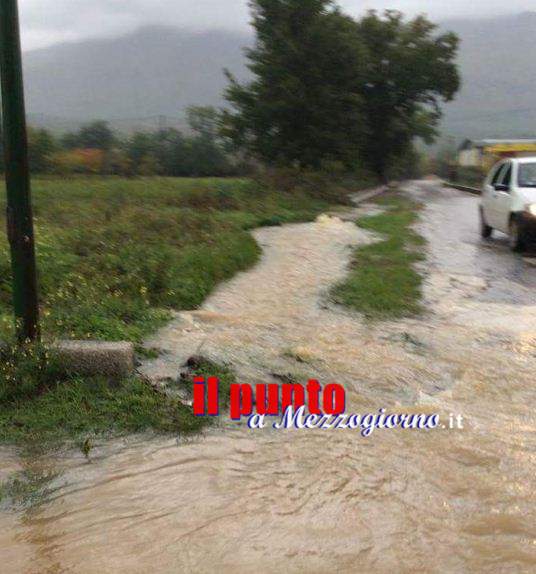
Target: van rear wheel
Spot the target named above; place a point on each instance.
(485, 229)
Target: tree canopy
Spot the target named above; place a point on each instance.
(96, 149)
(303, 105)
(327, 87)
(409, 72)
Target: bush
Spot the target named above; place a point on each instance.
(26, 372)
(149, 165)
(409, 165)
(332, 184)
(81, 161)
(118, 163)
(472, 176)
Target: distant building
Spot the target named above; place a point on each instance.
(483, 153)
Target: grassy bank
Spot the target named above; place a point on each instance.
(383, 282)
(42, 406)
(114, 256)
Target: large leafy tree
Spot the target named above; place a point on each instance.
(410, 70)
(303, 105)
(96, 135)
(207, 155)
(327, 87)
(203, 121)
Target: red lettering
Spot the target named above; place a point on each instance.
(199, 396)
(292, 394)
(272, 408)
(313, 390)
(334, 399)
(213, 400)
(241, 401)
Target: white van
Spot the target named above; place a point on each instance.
(509, 201)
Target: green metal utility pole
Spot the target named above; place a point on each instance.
(19, 207)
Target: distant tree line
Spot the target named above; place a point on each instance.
(329, 88)
(327, 91)
(96, 149)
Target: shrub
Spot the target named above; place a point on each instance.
(83, 161)
(149, 165)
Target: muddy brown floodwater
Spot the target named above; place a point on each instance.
(296, 501)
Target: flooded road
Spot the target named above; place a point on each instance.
(295, 501)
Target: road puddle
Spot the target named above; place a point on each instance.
(265, 501)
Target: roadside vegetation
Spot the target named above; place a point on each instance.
(115, 256)
(95, 149)
(383, 282)
(329, 95)
(328, 87)
(42, 406)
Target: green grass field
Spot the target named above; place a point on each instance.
(383, 282)
(114, 256)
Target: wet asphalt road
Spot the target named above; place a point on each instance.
(451, 227)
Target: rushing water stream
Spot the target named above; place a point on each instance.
(295, 501)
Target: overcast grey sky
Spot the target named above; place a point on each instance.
(46, 22)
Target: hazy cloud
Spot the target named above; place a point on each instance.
(46, 22)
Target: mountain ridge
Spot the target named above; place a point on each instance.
(147, 78)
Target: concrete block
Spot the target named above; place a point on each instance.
(96, 357)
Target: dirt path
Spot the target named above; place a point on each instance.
(267, 501)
